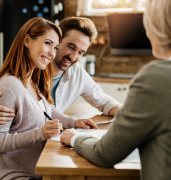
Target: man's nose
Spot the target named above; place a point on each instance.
(73, 56)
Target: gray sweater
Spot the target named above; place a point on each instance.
(21, 140)
(143, 122)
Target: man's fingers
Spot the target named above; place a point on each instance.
(6, 109)
(5, 119)
(2, 122)
(4, 114)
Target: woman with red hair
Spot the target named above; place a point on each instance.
(26, 77)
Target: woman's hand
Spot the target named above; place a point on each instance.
(86, 124)
(66, 136)
(51, 128)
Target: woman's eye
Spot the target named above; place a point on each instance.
(56, 48)
(48, 43)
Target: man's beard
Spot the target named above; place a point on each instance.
(59, 63)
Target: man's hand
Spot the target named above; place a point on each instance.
(6, 114)
(66, 136)
(113, 111)
(86, 124)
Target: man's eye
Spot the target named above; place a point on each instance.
(70, 47)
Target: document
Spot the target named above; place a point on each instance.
(97, 133)
(130, 162)
(105, 122)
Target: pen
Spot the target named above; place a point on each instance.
(48, 117)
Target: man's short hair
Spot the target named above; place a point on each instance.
(85, 25)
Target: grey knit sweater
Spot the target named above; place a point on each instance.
(21, 140)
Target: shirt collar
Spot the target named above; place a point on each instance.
(69, 72)
(56, 77)
(66, 75)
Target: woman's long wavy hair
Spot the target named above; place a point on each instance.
(18, 61)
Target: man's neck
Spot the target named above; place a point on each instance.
(57, 71)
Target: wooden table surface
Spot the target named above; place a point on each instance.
(110, 80)
(58, 162)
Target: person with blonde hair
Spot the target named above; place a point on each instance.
(144, 121)
(26, 78)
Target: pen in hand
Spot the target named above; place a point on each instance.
(48, 117)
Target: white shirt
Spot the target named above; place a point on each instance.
(73, 139)
(77, 82)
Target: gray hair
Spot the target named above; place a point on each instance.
(157, 21)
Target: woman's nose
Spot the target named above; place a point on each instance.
(52, 53)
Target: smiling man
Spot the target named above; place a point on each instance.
(73, 46)
(70, 78)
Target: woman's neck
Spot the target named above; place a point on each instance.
(167, 54)
(32, 87)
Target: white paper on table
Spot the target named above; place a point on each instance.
(133, 157)
(105, 122)
(130, 162)
(97, 133)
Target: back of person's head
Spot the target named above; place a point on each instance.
(18, 61)
(85, 25)
(157, 21)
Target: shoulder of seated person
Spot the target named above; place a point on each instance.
(153, 72)
(157, 64)
(11, 82)
(76, 68)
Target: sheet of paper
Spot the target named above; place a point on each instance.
(130, 162)
(105, 122)
(133, 157)
(56, 138)
(97, 133)
(94, 132)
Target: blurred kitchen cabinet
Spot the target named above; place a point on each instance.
(117, 91)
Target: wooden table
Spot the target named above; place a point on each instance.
(110, 80)
(58, 162)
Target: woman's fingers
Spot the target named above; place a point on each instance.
(51, 128)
